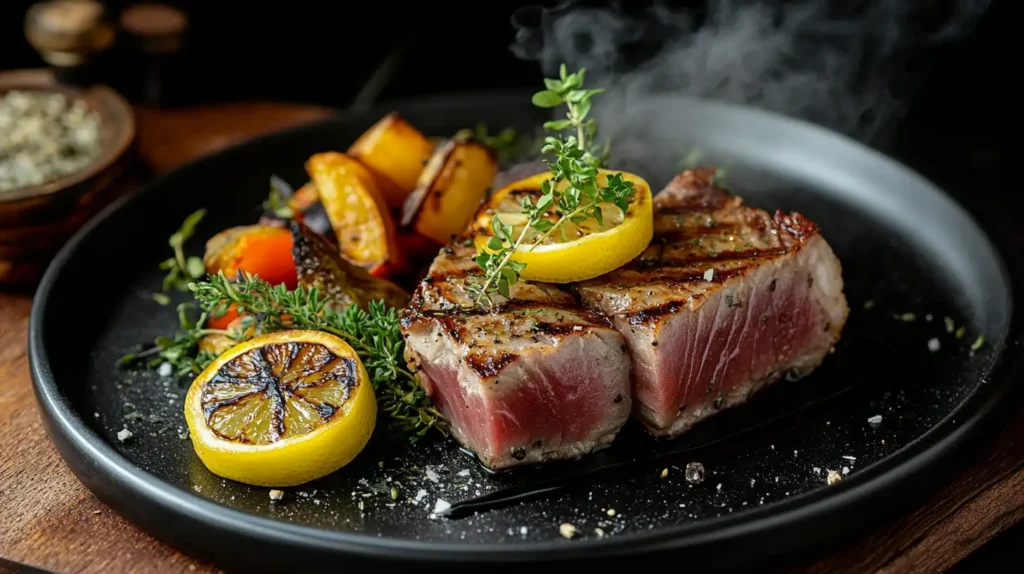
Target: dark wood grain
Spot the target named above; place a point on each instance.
(49, 520)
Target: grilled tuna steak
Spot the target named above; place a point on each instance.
(538, 378)
(726, 299)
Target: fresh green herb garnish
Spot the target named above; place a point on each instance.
(277, 201)
(575, 162)
(179, 352)
(180, 269)
(374, 335)
(509, 145)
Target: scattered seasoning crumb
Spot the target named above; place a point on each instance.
(875, 420)
(709, 274)
(599, 532)
(960, 332)
(95, 511)
(848, 457)
(908, 317)
(817, 470)
(664, 473)
(567, 530)
(694, 472)
(183, 435)
(361, 505)
(833, 477)
(752, 481)
(276, 495)
(883, 442)
(928, 317)
(124, 434)
(464, 472)
(977, 343)
(934, 345)
(846, 470)
(719, 487)
(165, 369)
(431, 475)
(868, 304)
(523, 530)
(97, 415)
(950, 325)
(420, 495)
(441, 505)
(611, 512)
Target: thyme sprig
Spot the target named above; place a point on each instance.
(373, 334)
(180, 269)
(576, 162)
(179, 351)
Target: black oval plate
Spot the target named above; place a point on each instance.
(906, 248)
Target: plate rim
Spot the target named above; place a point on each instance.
(69, 430)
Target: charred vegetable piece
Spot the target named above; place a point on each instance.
(357, 212)
(306, 207)
(261, 250)
(320, 265)
(450, 189)
(395, 150)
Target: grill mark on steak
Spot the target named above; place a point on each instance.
(489, 365)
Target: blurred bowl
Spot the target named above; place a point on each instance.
(35, 221)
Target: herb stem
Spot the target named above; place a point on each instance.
(561, 220)
(504, 260)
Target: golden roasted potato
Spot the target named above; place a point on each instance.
(395, 151)
(450, 189)
(305, 197)
(361, 220)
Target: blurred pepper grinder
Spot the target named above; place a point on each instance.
(71, 36)
(155, 52)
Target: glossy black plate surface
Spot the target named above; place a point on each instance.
(911, 258)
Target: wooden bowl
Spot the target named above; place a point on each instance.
(35, 221)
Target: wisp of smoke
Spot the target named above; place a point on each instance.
(850, 66)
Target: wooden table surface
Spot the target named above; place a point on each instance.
(48, 519)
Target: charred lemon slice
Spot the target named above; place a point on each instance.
(281, 409)
(572, 252)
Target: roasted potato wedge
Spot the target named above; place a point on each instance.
(358, 214)
(261, 250)
(394, 151)
(305, 198)
(450, 189)
(320, 265)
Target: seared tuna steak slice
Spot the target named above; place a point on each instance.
(726, 299)
(537, 378)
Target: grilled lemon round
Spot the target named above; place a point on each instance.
(281, 409)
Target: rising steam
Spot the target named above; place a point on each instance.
(850, 69)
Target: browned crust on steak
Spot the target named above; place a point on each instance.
(537, 314)
(697, 226)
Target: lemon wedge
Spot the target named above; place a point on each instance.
(573, 252)
(281, 409)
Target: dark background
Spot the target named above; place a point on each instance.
(962, 128)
